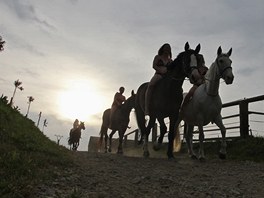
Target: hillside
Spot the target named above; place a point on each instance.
(27, 157)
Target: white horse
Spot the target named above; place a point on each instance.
(205, 105)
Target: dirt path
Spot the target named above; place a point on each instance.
(112, 175)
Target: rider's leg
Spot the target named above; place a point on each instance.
(113, 108)
(188, 97)
(149, 90)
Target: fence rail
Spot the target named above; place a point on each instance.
(243, 116)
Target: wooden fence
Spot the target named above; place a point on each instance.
(243, 123)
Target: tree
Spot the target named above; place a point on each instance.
(30, 99)
(45, 123)
(1, 44)
(17, 84)
(4, 99)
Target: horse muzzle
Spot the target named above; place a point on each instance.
(229, 79)
(195, 76)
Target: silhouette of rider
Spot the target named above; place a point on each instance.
(75, 124)
(119, 98)
(159, 64)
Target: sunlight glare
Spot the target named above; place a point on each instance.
(80, 101)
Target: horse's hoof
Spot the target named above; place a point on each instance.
(120, 152)
(146, 154)
(109, 150)
(156, 146)
(105, 151)
(171, 158)
(194, 157)
(222, 156)
(170, 155)
(202, 159)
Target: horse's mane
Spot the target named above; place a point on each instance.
(126, 106)
(176, 61)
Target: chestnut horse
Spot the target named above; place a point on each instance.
(120, 120)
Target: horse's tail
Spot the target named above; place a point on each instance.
(70, 137)
(104, 126)
(69, 141)
(139, 110)
(177, 140)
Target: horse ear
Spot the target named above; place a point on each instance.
(219, 51)
(229, 52)
(187, 46)
(197, 49)
(132, 93)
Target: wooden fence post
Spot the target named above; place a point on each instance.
(244, 125)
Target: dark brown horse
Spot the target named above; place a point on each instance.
(75, 136)
(167, 97)
(120, 120)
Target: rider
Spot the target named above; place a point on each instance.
(159, 64)
(202, 69)
(75, 124)
(119, 98)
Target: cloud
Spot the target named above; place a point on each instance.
(26, 11)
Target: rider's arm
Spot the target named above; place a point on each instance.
(157, 66)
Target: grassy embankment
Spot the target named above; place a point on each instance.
(27, 156)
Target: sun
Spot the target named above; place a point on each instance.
(80, 100)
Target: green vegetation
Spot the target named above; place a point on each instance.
(27, 157)
(251, 149)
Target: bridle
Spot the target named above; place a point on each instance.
(188, 70)
(223, 70)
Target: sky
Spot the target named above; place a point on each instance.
(73, 55)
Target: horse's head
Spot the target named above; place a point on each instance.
(192, 60)
(82, 126)
(131, 100)
(186, 64)
(224, 65)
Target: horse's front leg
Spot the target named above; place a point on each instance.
(163, 131)
(105, 141)
(145, 145)
(120, 141)
(146, 135)
(110, 140)
(189, 141)
(219, 123)
(171, 137)
(201, 145)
